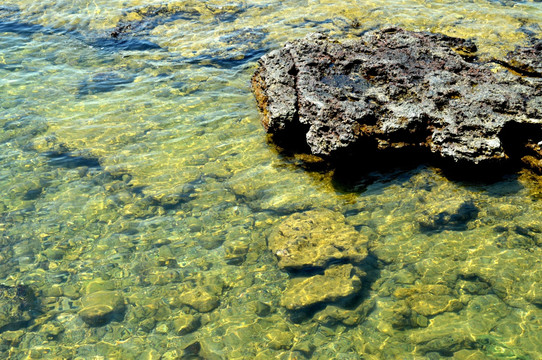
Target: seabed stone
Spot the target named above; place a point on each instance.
(316, 238)
(101, 307)
(338, 282)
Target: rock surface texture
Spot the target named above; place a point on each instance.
(394, 91)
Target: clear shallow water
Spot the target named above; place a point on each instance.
(144, 170)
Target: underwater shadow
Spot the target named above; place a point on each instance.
(492, 183)
(353, 175)
(357, 173)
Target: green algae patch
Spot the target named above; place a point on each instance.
(101, 307)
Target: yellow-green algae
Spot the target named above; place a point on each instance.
(161, 188)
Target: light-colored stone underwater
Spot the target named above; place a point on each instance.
(140, 192)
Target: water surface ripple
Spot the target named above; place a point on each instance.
(139, 193)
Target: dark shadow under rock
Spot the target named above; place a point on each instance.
(70, 160)
(451, 219)
(103, 82)
(27, 29)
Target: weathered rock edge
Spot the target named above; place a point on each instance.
(396, 92)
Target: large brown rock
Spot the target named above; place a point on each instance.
(394, 91)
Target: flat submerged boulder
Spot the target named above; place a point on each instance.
(337, 282)
(400, 92)
(315, 239)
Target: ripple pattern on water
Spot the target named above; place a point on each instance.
(139, 193)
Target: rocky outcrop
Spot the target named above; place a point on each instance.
(395, 92)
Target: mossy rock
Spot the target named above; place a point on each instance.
(51, 330)
(101, 307)
(11, 338)
(337, 283)
(200, 298)
(186, 323)
(316, 238)
(429, 300)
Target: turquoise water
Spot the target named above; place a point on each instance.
(134, 167)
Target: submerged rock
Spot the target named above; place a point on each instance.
(534, 296)
(101, 307)
(443, 340)
(337, 283)
(186, 323)
(525, 60)
(201, 299)
(280, 339)
(399, 92)
(314, 239)
(103, 82)
(18, 306)
(334, 314)
(429, 300)
(236, 252)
